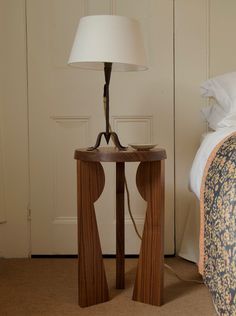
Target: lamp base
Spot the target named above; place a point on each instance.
(107, 136)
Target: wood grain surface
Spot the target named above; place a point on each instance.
(110, 154)
(92, 281)
(148, 286)
(120, 225)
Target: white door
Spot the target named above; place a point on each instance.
(66, 113)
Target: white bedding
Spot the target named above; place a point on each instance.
(204, 151)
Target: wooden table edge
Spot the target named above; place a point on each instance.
(109, 154)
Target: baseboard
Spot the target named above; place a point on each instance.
(106, 256)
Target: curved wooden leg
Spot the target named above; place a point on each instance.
(148, 286)
(92, 281)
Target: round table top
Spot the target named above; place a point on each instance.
(112, 154)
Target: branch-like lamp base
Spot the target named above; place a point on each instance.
(112, 135)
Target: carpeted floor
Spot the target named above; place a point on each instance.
(49, 287)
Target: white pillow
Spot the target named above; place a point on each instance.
(217, 118)
(213, 114)
(223, 89)
(228, 121)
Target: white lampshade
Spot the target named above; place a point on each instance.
(108, 38)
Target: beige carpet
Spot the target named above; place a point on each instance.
(49, 287)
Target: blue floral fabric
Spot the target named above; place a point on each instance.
(220, 228)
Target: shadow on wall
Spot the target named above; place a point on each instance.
(189, 246)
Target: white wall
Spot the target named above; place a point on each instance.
(191, 68)
(204, 46)
(222, 44)
(14, 232)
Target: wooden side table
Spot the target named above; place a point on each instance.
(92, 281)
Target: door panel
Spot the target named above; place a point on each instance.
(66, 112)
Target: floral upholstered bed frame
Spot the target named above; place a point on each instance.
(217, 261)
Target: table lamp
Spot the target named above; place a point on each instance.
(108, 42)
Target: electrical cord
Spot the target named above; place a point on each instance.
(139, 236)
(135, 226)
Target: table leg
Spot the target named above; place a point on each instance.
(120, 226)
(92, 281)
(148, 286)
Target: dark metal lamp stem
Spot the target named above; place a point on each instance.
(107, 134)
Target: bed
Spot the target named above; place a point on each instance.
(213, 180)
